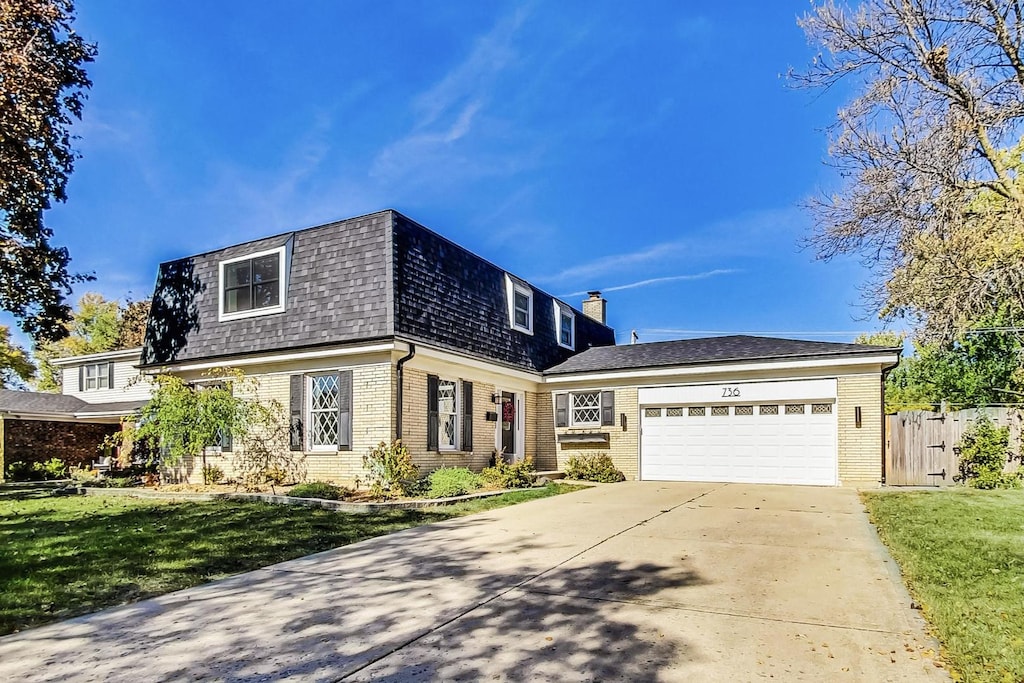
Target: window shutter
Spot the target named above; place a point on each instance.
(467, 416)
(226, 441)
(561, 410)
(431, 412)
(607, 408)
(81, 378)
(110, 375)
(345, 410)
(296, 390)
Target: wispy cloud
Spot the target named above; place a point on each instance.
(662, 280)
(616, 262)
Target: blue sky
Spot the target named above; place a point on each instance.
(650, 150)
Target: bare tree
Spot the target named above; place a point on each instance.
(929, 151)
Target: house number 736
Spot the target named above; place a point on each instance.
(730, 392)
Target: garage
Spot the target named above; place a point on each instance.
(781, 432)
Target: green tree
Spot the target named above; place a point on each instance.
(886, 338)
(15, 366)
(42, 90)
(96, 325)
(929, 154)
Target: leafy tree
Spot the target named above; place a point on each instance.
(886, 338)
(42, 89)
(929, 151)
(15, 366)
(96, 325)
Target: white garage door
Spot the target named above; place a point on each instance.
(764, 432)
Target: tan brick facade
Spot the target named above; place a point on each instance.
(623, 445)
(860, 448)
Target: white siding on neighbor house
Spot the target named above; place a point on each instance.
(126, 386)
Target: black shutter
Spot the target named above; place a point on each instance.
(561, 410)
(345, 410)
(81, 378)
(110, 375)
(226, 441)
(431, 412)
(607, 408)
(296, 389)
(467, 416)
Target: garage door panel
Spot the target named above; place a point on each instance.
(750, 446)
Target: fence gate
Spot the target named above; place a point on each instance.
(921, 448)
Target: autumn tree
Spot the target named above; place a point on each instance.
(929, 153)
(96, 325)
(42, 89)
(15, 366)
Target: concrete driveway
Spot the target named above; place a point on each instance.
(637, 581)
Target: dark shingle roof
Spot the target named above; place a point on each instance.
(38, 403)
(702, 351)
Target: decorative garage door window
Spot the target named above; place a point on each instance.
(821, 408)
(673, 412)
(768, 410)
(795, 409)
(652, 412)
(743, 410)
(323, 412)
(719, 411)
(586, 408)
(696, 411)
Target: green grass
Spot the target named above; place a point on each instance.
(62, 557)
(962, 556)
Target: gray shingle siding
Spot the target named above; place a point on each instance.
(448, 296)
(335, 293)
(371, 277)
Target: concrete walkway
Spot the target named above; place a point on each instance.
(634, 581)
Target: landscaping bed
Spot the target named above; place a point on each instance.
(65, 556)
(961, 552)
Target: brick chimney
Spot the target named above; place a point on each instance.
(595, 307)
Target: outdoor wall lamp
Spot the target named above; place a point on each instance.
(856, 416)
(622, 421)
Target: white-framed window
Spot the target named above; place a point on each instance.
(585, 408)
(324, 397)
(520, 305)
(96, 376)
(447, 414)
(565, 326)
(253, 284)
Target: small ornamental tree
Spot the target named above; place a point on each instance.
(182, 419)
(984, 453)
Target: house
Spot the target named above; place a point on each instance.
(97, 391)
(376, 327)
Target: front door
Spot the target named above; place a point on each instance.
(509, 425)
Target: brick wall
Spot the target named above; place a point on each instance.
(622, 447)
(76, 443)
(860, 449)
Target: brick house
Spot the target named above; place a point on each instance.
(97, 391)
(375, 327)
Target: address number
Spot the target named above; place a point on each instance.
(730, 392)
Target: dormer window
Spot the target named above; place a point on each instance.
(252, 285)
(565, 326)
(520, 305)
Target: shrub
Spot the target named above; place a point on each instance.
(83, 476)
(212, 474)
(445, 482)
(984, 451)
(390, 469)
(593, 467)
(518, 475)
(24, 471)
(54, 468)
(119, 482)
(318, 489)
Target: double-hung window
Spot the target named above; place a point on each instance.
(447, 415)
(565, 325)
(520, 305)
(252, 285)
(324, 397)
(96, 376)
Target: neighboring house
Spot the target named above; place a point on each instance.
(376, 327)
(98, 390)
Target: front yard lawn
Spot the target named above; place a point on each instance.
(962, 555)
(63, 557)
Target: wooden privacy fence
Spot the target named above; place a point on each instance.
(921, 445)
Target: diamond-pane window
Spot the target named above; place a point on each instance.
(324, 398)
(447, 414)
(586, 408)
(821, 408)
(768, 410)
(652, 412)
